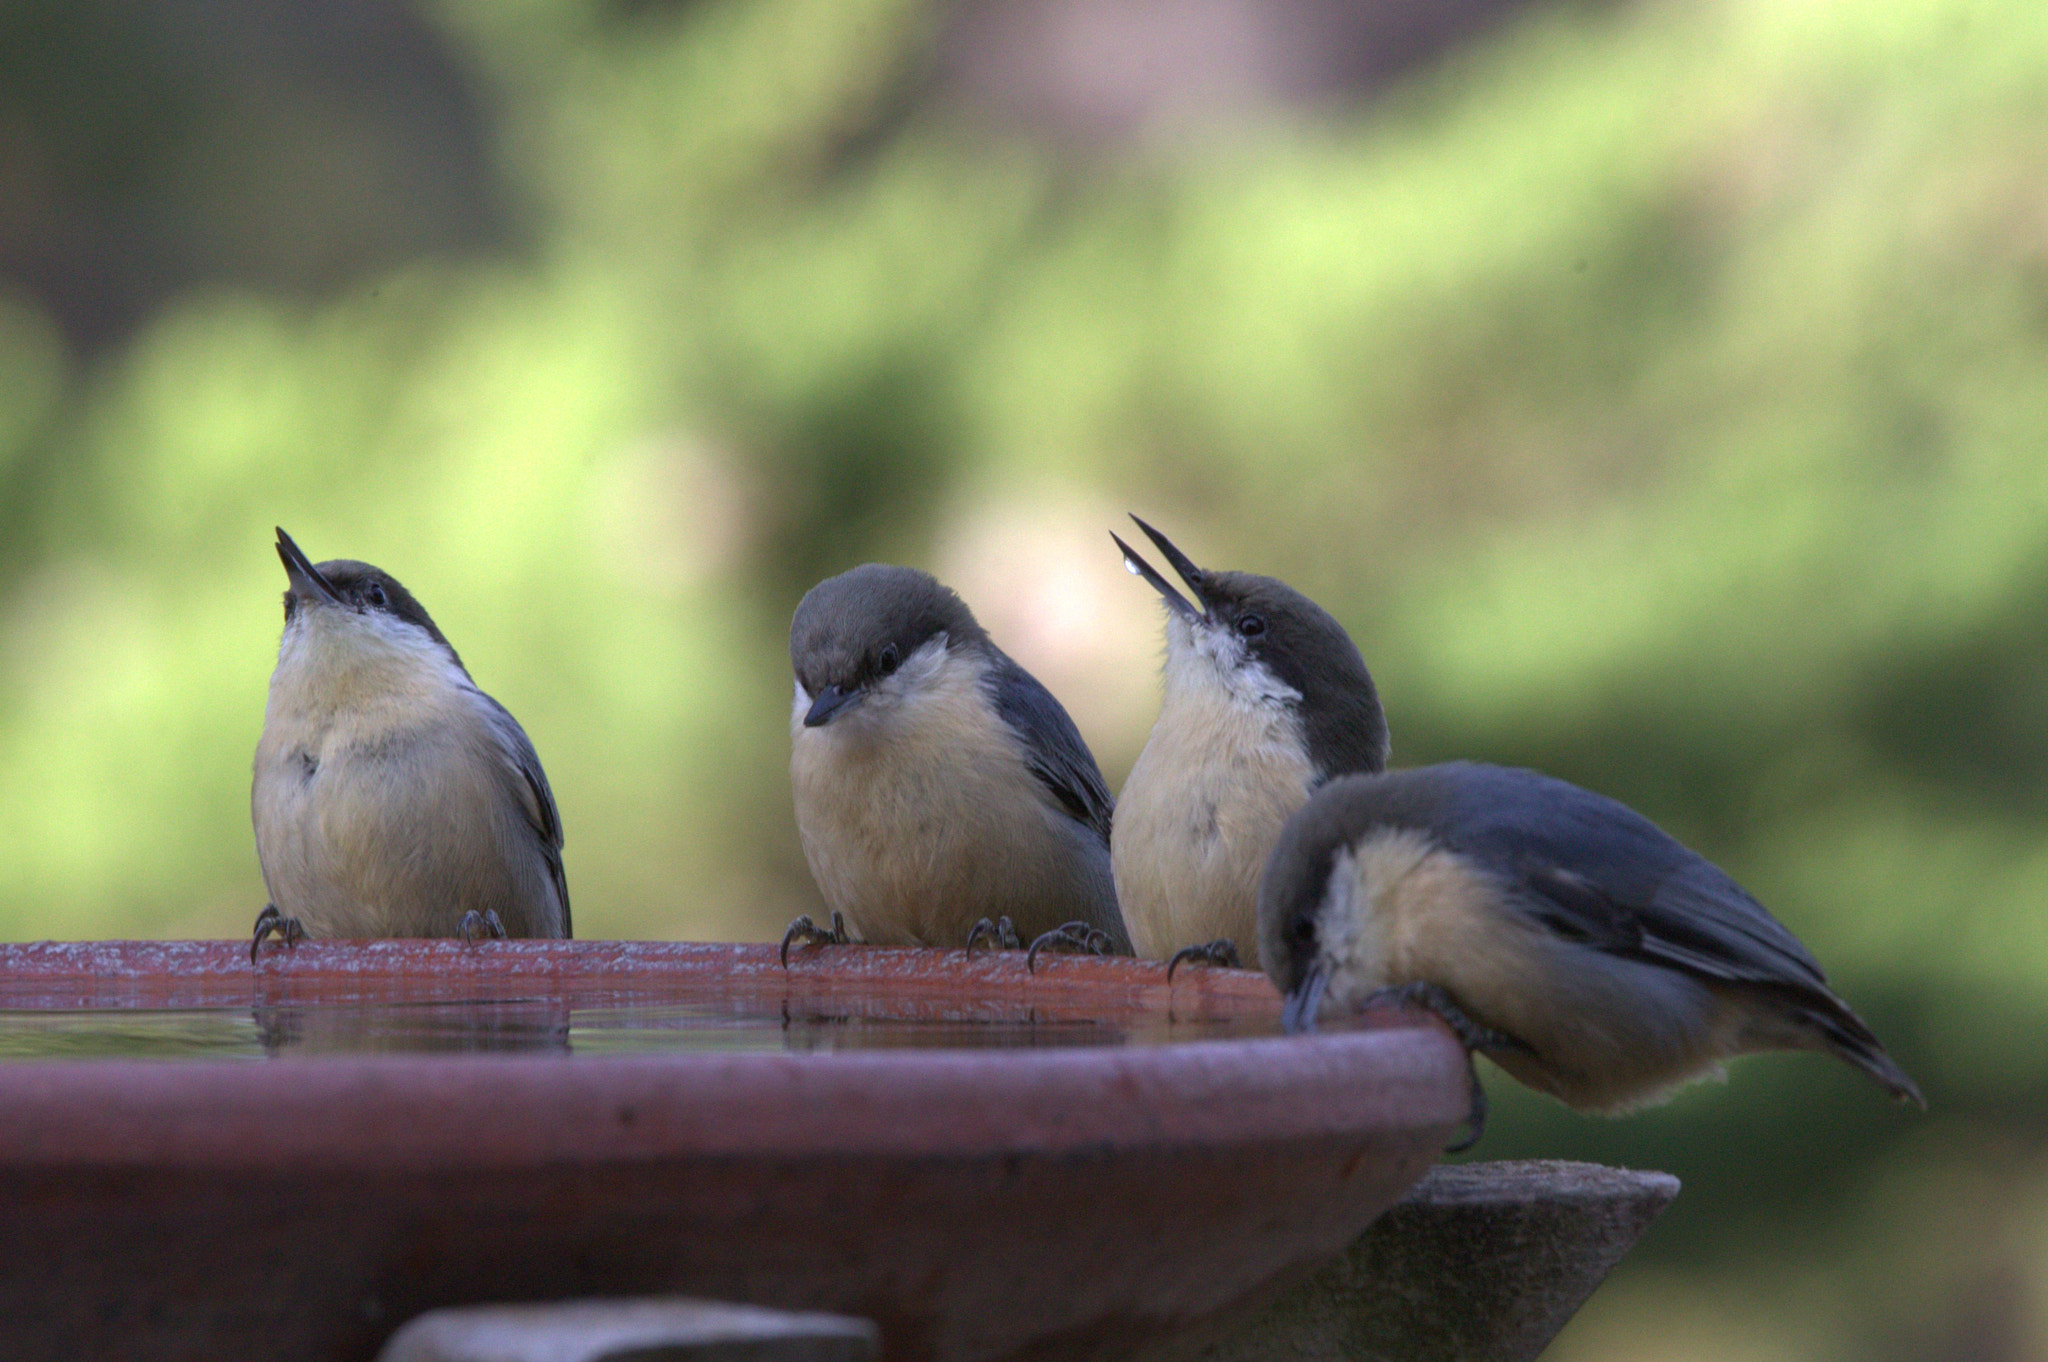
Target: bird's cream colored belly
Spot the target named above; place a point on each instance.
(377, 827)
(922, 819)
(1599, 1031)
(1199, 816)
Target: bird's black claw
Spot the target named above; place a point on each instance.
(1000, 934)
(803, 929)
(1473, 1035)
(475, 924)
(269, 922)
(1221, 953)
(1475, 1115)
(1073, 938)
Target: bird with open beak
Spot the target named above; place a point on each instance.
(1265, 698)
(391, 796)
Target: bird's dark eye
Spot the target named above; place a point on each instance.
(886, 664)
(1251, 626)
(373, 596)
(1301, 932)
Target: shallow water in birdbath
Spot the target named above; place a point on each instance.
(203, 1000)
(628, 1025)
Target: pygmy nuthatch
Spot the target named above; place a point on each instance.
(1590, 955)
(938, 785)
(1265, 698)
(392, 797)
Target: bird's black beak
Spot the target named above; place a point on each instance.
(829, 702)
(1299, 1012)
(306, 579)
(1189, 573)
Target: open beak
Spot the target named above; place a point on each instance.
(306, 579)
(1299, 1012)
(1189, 573)
(829, 702)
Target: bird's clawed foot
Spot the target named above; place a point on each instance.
(484, 924)
(1073, 938)
(1000, 935)
(1475, 1111)
(803, 929)
(1221, 953)
(1474, 1036)
(1471, 1034)
(269, 921)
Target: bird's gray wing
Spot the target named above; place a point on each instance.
(1697, 920)
(530, 783)
(1597, 871)
(1053, 747)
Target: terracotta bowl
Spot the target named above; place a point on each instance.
(1045, 1200)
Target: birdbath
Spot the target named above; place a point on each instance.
(202, 1159)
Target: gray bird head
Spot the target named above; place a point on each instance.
(351, 609)
(1307, 913)
(872, 635)
(1266, 643)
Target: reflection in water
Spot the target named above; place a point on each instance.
(127, 1033)
(466, 1027)
(552, 1025)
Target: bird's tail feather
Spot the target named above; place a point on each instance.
(1844, 1034)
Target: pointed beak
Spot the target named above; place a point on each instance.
(1189, 573)
(1299, 1012)
(829, 702)
(307, 583)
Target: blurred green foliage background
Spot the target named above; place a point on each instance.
(1657, 391)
